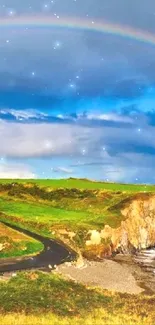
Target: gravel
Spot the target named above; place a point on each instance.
(108, 275)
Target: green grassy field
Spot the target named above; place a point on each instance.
(82, 184)
(46, 215)
(46, 209)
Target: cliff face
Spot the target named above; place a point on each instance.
(136, 232)
(140, 223)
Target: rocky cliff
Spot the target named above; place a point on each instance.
(135, 233)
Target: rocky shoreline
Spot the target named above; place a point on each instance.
(123, 274)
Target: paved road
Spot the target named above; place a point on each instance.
(54, 253)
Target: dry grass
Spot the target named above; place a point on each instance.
(98, 317)
(14, 235)
(14, 243)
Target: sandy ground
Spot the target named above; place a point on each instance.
(108, 275)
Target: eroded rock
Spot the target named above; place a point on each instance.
(137, 231)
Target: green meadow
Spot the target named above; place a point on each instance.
(76, 205)
(82, 184)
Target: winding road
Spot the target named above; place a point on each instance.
(54, 253)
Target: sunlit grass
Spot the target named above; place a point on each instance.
(15, 244)
(40, 299)
(83, 184)
(100, 317)
(48, 215)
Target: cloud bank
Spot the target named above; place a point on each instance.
(8, 170)
(121, 150)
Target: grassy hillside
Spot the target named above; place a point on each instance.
(37, 298)
(82, 184)
(44, 209)
(49, 211)
(13, 243)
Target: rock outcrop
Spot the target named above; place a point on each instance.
(136, 232)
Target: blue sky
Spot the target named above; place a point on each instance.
(75, 103)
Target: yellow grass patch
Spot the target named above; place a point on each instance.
(96, 318)
(13, 234)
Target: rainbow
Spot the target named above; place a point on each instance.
(78, 24)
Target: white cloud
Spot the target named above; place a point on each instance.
(58, 139)
(118, 173)
(8, 170)
(123, 152)
(34, 140)
(64, 170)
(23, 115)
(110, 117)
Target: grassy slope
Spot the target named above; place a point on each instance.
(45, 209)
(40, 213)
(82, 184)
(16, 244)
(54, 300)
(78, 212)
